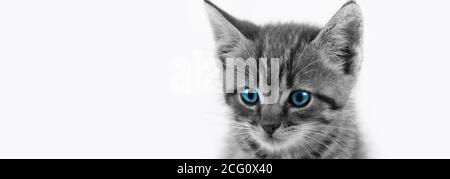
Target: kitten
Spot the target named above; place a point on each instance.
(313, 116)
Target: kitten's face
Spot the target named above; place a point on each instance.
(318, 68)
(307, 90)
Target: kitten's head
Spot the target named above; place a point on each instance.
(317, 71)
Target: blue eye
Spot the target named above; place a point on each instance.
(300, 98)
(249, 97)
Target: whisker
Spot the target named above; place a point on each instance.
(339, 127)
(311, 144)
(299, 75)
(307, 66)
(306, 149)
(312, 138)
(322, 134)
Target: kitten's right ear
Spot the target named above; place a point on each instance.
(341, 39)
(229, 32)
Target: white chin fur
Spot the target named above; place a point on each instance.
(280, 142)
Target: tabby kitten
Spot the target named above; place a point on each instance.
(313, 116)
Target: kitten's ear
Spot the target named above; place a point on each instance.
(229, 32)
(339, 42)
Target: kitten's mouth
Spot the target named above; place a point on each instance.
(274, 139)
(279, 140)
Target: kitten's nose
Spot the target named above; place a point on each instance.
(270, 128)
(271, 118)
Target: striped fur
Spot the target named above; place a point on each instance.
(324, 61)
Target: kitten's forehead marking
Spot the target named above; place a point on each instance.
(280, 43)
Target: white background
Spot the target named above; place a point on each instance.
(130, 79)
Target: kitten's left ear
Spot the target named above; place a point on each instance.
(339, 42)
(229, 32)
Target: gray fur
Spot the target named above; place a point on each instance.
(324, 61)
